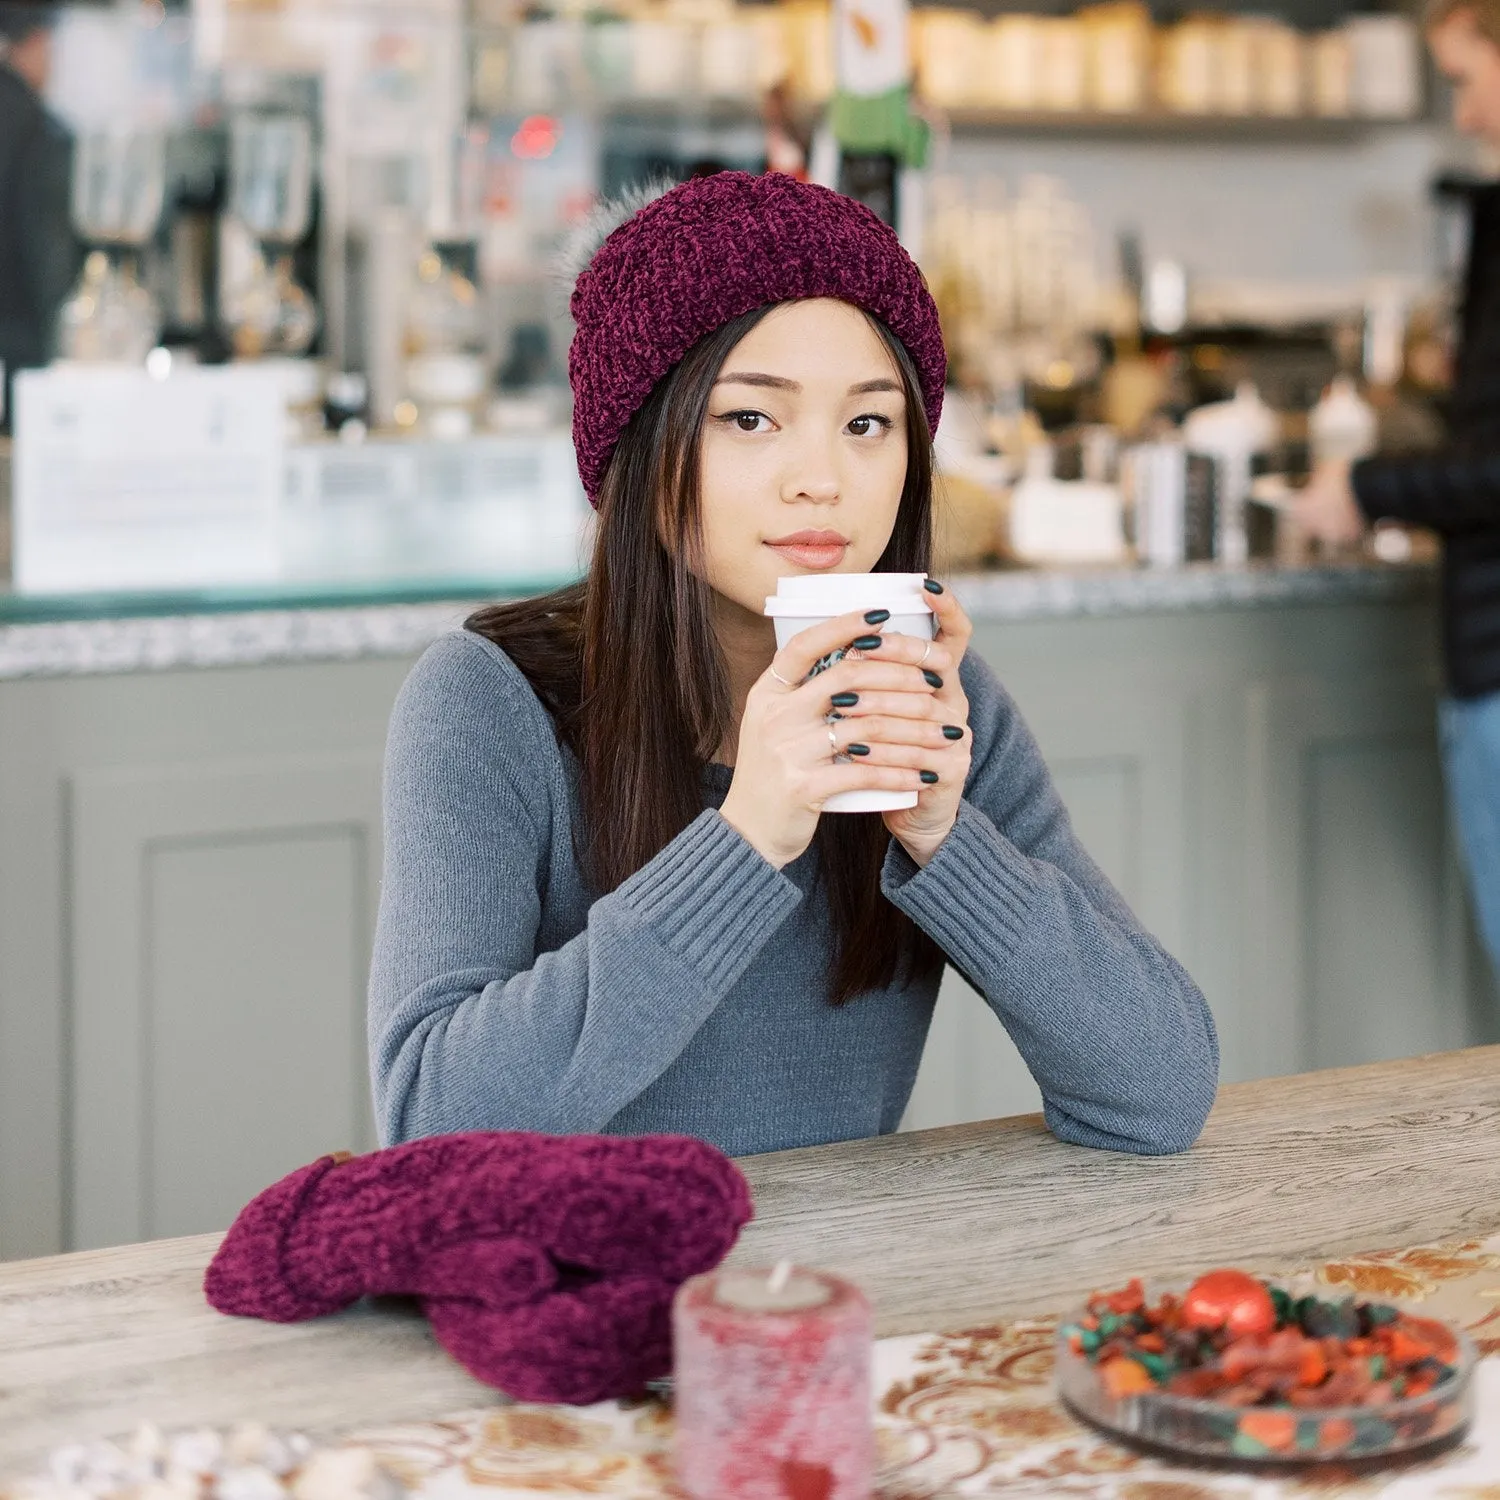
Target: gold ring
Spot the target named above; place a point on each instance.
(782, 680)
(926, 654)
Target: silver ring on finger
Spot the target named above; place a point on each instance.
(833, 740)
(925, 655)
(782, 680)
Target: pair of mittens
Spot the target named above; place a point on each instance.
(546, 1265)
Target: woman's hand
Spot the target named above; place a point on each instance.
(922, 828)
(903, 724)
(784, 766)
(1325, 508)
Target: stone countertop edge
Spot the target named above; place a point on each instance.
(340, 633)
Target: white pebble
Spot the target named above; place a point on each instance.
(246, 1443)
(282, 1454)
(67, 1466)
(179, 1487)
(200, 1452)
(105, 1467)
(249, 1482)
(344, 1474)
(148, 1446)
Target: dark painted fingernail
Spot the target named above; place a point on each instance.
(857, 749)
(933, 680)
(929, 777)
(952, 732)
(844, 700)
(932, 586)
(866, 642)
(877, 616)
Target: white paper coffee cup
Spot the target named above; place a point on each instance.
(812, 598)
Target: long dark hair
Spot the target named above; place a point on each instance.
(628, 664)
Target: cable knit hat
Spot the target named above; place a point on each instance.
(708, 251)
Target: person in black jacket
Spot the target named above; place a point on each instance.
(1456, 492)
(39, 254)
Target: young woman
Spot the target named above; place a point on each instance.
(611, 902)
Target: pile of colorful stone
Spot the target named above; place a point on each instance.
(1246, 1344)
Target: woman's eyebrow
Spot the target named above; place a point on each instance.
(781, 383)
(771, 382)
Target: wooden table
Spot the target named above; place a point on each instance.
(945, 1228)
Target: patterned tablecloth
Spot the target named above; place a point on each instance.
(974, 1413)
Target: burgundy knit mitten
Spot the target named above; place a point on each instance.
(545, 1264)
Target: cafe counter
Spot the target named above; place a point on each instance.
(53, 635)
(190, 832)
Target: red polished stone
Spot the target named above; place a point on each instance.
(1231, 1300)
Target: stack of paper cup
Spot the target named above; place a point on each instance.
(812, 598)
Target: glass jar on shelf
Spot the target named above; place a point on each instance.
(1064, 64)
(1119, 53)
(446, 377)
(1330, 75)
(1011, 65)
(1281, 69)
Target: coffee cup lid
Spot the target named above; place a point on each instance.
(838, 593)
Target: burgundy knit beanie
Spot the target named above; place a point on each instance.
(707, 252)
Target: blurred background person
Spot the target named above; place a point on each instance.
(39, 254)
(1455, 491)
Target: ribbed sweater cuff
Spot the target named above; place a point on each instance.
(972, 898)
(711, 899)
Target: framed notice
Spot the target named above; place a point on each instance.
(125, 481)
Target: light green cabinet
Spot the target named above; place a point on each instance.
(189, 869)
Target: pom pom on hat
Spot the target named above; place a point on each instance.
(706, 252)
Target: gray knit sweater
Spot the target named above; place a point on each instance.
(692, 998)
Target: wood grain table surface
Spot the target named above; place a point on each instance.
(944, 1228)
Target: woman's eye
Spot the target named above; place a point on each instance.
(745, 421)
(871, 421)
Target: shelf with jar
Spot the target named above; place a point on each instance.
(1106, 66)
(1111, 66)
(1158, 125)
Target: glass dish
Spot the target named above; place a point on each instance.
(1200, 1428)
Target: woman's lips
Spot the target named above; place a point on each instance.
(814, 555)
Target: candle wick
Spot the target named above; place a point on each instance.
(780, 1276)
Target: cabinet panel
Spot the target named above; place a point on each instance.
(1355, 935)
(1376, 959)
(251, 1015)
(33, 1060)
(221, 932)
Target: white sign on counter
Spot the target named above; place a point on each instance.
(125, 481)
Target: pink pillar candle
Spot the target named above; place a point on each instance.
(772, 1386)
